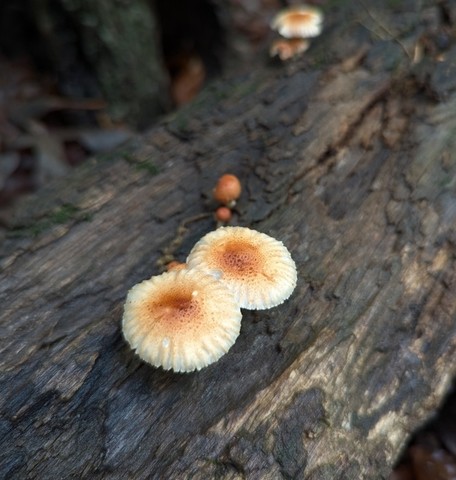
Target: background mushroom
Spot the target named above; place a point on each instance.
(288, 48)
(181, 320)
(257, 268)
(298, 22)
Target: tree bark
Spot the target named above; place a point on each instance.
(350, 160)
(119, 42)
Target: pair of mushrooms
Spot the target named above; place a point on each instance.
(296, 24)
(188, 318)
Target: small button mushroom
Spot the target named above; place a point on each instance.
(227, 190)
(223, 214)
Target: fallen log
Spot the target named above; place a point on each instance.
(352, 164)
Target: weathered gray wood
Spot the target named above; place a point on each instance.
(352, 165)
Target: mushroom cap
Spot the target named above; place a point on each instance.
(257, 268)
(181, 320)
(228, 189)
(298, 22)
(288, 48)
(223, 214)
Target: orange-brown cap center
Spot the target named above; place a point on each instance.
(174, 307)
(239, 257)
(296, 19)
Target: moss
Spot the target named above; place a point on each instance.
(61, 215)
(146, 165)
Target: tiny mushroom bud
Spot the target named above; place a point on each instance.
(288, 48)
(298, 22)
(257, 268)
(175, 265)
(228, 189)
(181, 320)
(223, 214)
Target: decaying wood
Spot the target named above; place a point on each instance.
(352, 165)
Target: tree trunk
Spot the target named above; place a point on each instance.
(119, 41)
(350, 160)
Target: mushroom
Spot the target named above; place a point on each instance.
(298, 22)
(257, 268)
(228, 189)
(288, 48)
(181, 320)
(175, 265)
(223, 214)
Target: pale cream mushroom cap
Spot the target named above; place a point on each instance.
(257, 268)
(181, 320)
(298, 22)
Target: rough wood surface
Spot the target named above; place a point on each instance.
(352, 165)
